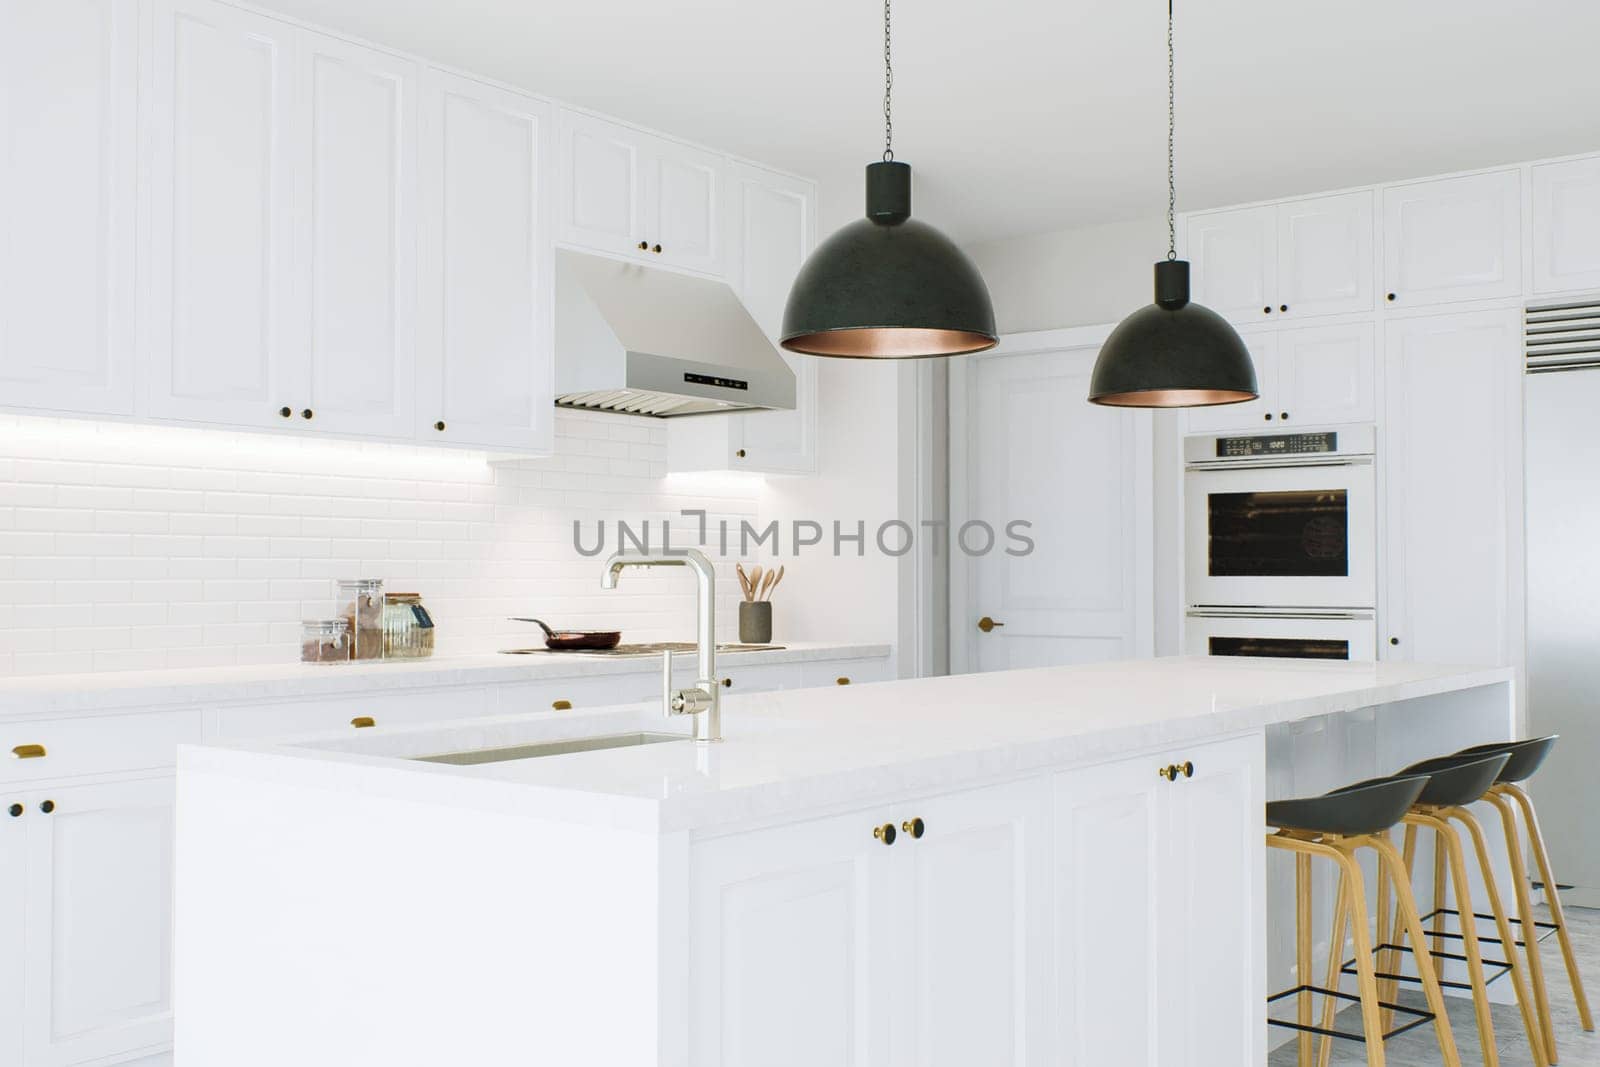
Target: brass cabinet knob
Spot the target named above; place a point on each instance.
(15, 810)
(362, 721)
(656, 249)
(644, 246)
(1283, 307)
(307, 413)
(727, 683)
(739, 453)
(1187, 768)
(1283, 415)
(986, 624)
(561, 705)
(884, 833)
(439, 426)
(1169, 772)
(28, 752)
(841, 680)
(285, 412)
(48, 806)
(914, 827)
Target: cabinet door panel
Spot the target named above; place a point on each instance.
(485, 309)
(788, 942)
(1108, 878)
(13, 922)
(602, 184)
(99, 937)
(1566, 226)
(1235, 262)
(976, 965)
(356, 127)
(1325, 255)
(68, 85)
(1253, 416)
(1455, 239)
(683, 217)
(219, 348)
(1326, 375)
(1452, 433)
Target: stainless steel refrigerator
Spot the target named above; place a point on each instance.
(1563, 517)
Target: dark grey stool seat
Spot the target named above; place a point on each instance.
(1525, 756)
(1365, 808)
(1457, 780)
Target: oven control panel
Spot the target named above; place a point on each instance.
(1278, 444)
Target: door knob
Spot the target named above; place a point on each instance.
(884, 833)
(987, 624)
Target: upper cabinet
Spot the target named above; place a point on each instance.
(485, 322)
(629, 193)
(1566, 226)
(68, 86)
(1308, 376)
(1258, 415)
(1454, 239)
(1296, 259)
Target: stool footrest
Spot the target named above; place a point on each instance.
(1538, 924)
(1500, 967)
(1419, 1017)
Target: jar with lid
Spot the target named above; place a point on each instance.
(362, 600)
(407, 627)
(325, 641)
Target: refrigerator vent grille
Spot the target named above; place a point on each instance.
(1562, 336)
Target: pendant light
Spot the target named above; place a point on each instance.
(888, 286)
(1173, 353)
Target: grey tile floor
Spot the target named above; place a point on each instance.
(1419, 1048)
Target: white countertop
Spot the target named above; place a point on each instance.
(50, 694)
(809, 749)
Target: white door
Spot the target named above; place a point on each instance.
(14, 813)
(1325, 262)
(1073, 585)
(684, 191)
(1235, 262)
(774, 228)
(1451, 443)
(1452, 239)
(220, 344)
(972, 978)
(355, 135)
(1108, 882)
(1327, 374)
(789, 941)
(1566, 226)
(602, 199)
(99, 936)
(1210, 1001)
(68, 86)
(1253, 416)
(484, 366)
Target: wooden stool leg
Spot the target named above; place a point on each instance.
(1330, 1004)
(1302, 966)
(1360, 923)
(1530, 932)
(1440, 881)
(1388, 958)
(1448, 844)
(1553, 899)
(1407, 919)
(1530, 1016)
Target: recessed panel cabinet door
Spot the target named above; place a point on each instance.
(484, 317)
(99, 936)
(789, 948)
(602, 198)
(13, 921)
(220, 327)
(1252, 416)
(68, 86)
(355, 128)
(1325, 255)
(1453, 239)
(1235, 262)
(684, 190)
(1566, 226)
(1326, 374)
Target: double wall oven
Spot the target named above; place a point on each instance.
(1280, 557)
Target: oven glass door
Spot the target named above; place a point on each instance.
(1292, 536)
(1282, 638)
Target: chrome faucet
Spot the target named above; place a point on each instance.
(703, 701)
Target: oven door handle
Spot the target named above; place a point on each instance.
(1250, 465)
(1309, 614)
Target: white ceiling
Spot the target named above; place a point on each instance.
(1029, 115)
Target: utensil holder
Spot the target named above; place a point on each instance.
(755, 622)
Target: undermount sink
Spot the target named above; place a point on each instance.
(551, 748)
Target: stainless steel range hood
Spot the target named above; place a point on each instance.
(646, 341)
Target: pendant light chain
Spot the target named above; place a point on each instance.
(888, 91)
(1172, 176)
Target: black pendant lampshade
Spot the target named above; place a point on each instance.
(1173, 353)
(888, 286)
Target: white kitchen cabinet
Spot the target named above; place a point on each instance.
(485, 316)
(1451, 446)
(1253, 416)
(97, 953)
(1296, 259)
(1566, 225)
(14, 810)
(1452, 239)
(68, 86)
(1326, 374)
(773, 222)
(221, 343)
(630, 193)
(1157, 893)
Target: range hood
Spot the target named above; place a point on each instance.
(645, 341)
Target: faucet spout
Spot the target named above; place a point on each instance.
(704, 701)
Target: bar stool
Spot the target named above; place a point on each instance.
(1506, 794)
(1333, 827)
(1453, 782)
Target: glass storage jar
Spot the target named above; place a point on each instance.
(407, 627)
(362, 600)
(325, 641)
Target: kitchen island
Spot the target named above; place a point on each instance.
(1061, 865)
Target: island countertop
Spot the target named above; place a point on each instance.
(807, 749)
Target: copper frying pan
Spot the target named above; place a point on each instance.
(576, 640)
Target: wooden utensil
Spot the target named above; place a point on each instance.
(755, 582)
(744, 581)
(766, 584)
(773, 586)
